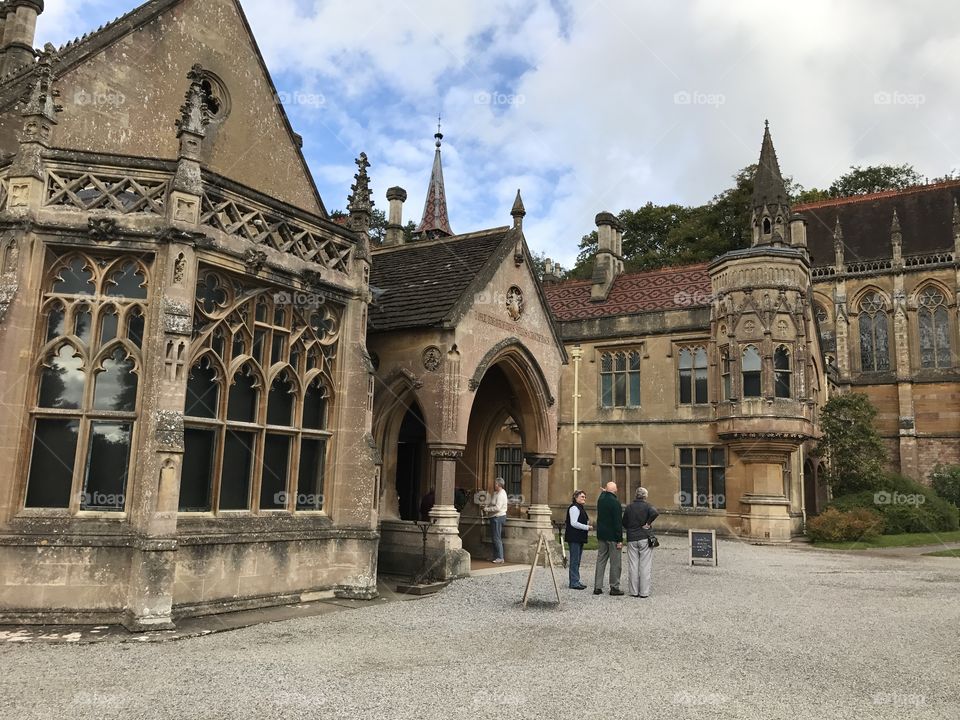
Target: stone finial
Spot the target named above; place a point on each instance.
(896, 238)
(956, 228)
(42, 95)
(517, 211)
(396, 196)
(39, 117)
(194, 114)
(838, 245)
(359, 202)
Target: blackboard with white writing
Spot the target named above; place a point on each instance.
(703, 546)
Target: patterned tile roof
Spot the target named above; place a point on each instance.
(418, 284)
(674, 288)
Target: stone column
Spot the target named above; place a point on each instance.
(766, 515)
(445, 458)
(539, 510)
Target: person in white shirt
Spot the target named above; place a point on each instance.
(577, 527)
(496, 510)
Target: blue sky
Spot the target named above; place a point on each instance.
(596, 105)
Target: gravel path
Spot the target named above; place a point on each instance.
(771, 633)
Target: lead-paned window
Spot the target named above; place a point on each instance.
(257, 401)
(703, 477)
(508, 464)
(621, 465)
(782, 372)
(86, 396)
(934, 329)
(750, 366)
(620, 378)
(874, 335)
(693, 376)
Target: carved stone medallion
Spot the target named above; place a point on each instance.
(431, 358)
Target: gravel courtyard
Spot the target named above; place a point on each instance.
(770, 633)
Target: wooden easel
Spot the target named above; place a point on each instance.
(543, 546)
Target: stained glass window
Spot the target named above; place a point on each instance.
(934, 328)
(874, 336)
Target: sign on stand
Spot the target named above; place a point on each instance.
(703, 546)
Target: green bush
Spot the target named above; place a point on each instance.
(946, 481)
(905, 505)
(833, 525)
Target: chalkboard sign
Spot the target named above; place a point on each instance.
(703, 546)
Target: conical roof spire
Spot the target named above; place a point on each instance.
(768, 187)
(435, 222)
(517, 211)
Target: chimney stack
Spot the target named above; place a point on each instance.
(607, 264)
(550, 275)
(19, 32)
(396, 196)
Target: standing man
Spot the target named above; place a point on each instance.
(637, 519)
(578, 525)
(496, 510)
(609, 539)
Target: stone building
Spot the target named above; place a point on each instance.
(702, 382)
(886, 274)
(463, 344)
(186, 413)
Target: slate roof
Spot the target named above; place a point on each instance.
(419, 284)
(925, 214)
(674, 288)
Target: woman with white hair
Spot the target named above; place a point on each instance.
(637, 519)
(496, 510)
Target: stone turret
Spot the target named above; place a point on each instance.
(765, 340)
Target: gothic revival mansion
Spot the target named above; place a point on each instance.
(215, 397)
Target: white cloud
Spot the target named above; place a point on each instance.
(607, 104)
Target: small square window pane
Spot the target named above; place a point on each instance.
(51, 464)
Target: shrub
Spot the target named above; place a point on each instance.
(905, 505)
(856, 451)
(833, 525)
(946, 481)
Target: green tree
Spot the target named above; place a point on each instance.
(852, 444)
(874, 178)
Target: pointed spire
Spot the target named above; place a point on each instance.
(194, 114)
(956, 228)
(435, 222)
(768, 187)
(518, 211)
(360, 203)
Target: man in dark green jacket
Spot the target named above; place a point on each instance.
(609, 539)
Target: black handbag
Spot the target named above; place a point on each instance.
(652, 541)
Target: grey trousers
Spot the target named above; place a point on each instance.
(607, 551)
(639, 566)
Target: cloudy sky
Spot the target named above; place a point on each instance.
(597, 105)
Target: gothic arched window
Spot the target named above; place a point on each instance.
(750, 369)
(256, 437)
(88, 380)
(620, 379)
(934, 328)
(874, 335)
(693, 376)
(782, 372)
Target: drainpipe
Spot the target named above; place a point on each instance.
(576, 353)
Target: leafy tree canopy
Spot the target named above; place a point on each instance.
(856, 452)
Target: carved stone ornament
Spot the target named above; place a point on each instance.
(102, 228)
(515, 302)
(173, 234)
(431, 358)
(177, 318)
(254, 259)
(782, 326)
(169, 430)
(447, 453)
(749, 326)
